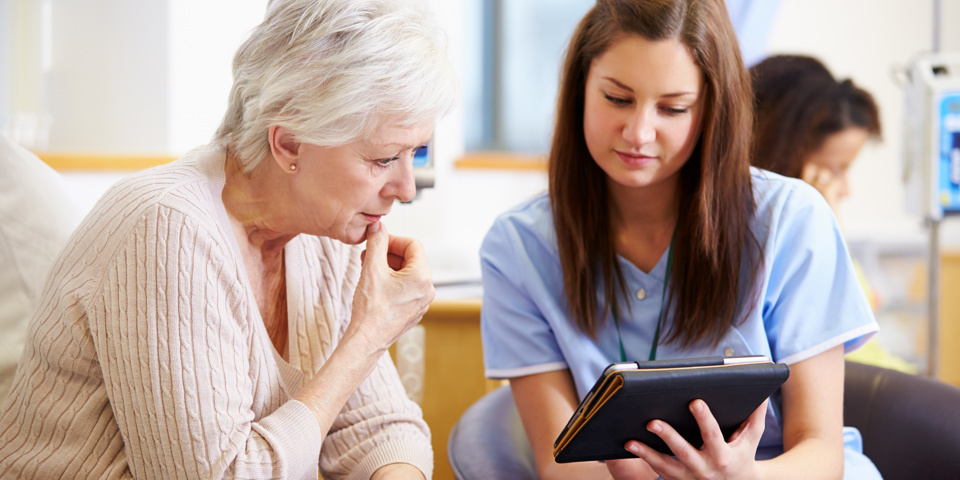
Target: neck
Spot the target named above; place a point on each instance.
(648, 214)
(252, 201)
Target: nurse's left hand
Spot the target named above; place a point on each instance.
(716, 459)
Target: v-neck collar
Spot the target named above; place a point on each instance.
(658, 273)
(212, 161)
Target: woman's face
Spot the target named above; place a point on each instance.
(826, 168)
(642, 110)
(344, 189)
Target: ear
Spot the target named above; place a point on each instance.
(284, 148)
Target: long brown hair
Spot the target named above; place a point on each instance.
(715, 192)
(798, 105)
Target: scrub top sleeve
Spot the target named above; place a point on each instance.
(517, 339)
(812, 300)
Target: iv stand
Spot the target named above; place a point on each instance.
(933, 281)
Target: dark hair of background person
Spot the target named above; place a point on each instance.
(715, 190)
(798, 105)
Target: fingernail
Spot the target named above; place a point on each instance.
(696, 406)
(374, 227)
(654, 427)
(633, 448)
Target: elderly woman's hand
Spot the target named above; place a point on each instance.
(394, 291)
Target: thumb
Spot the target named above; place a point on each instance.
(377, 243)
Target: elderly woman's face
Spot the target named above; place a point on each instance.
(344, 189)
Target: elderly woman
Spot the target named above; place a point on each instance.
(214, 318)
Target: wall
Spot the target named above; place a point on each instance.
(107, 88)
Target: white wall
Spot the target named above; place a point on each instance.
(107, 88)
(201, 54)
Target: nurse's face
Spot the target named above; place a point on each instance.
(642, 110)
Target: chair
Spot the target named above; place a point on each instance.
(488, 442)
(910, 427)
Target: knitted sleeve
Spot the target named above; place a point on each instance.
(379, 424)
(171, 329)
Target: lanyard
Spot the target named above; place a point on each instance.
(663, 296)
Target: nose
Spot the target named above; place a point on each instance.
(403, 185)
(640, 129)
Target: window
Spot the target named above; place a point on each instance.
(514, 53)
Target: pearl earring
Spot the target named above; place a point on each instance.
(293, 167)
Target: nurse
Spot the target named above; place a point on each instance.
(657, 240)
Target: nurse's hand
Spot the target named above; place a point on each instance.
(630, 469)
(716, 459)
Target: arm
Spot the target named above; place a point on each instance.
(812, 420)
(398, 471)
(374, 423)
(545, 402)
(812, 424)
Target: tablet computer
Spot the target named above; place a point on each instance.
(629, 395)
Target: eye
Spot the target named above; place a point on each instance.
(616, 101)
(675, 110)
(385, 162)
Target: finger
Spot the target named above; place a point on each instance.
(410, 250)
(681, 448)
(757, 423)
(709, 428)
(404, 247)
(752, 428)
(396, 262)
(809, 173)
(377, 239)
(663, 465)
(629, 468)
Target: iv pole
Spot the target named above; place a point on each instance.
(933, 282)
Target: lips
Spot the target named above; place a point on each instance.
(635, 160)
(372, 218)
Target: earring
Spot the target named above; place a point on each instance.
(293, 167)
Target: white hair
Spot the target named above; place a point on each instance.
(332, 71)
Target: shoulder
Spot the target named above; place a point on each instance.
(783, 201)
(194, 180)
(530, 223)
(166, 207)
(189, 186)
(772, 190)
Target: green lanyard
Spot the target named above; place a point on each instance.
(656, 334)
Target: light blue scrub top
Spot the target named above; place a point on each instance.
(809, 300)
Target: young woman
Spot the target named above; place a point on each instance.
(808, 124)
(657, 240)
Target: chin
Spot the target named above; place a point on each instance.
(353, 237)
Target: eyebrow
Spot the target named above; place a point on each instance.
(668, 95)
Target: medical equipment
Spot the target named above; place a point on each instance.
(932, 162)
(932, 135)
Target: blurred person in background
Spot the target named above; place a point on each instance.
(812, 126)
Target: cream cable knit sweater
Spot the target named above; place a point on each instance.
(148, 357)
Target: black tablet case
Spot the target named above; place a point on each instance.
(627, 400)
